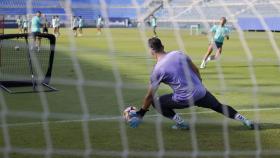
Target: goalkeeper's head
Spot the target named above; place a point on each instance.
(155, 46)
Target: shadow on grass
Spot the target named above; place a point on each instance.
(262, 127)
(267, 126)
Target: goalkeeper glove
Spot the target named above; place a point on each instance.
(135, 120)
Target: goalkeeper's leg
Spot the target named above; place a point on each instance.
(209, 101)
(165, 105)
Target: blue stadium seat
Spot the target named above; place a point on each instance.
(88, 9)
(253, 23)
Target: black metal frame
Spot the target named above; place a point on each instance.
(6, 85)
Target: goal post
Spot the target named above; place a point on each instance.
(26, 62)
(194, 29)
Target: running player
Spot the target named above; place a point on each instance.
(153, 22)
(221, 31)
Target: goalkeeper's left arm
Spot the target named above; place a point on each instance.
(148, 100)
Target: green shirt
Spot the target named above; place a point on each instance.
(220, 33)
(35, 24)
(154, 22)
(81, 23)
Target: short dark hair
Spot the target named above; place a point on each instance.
(38, 12)
(224, 18)
(155, 44)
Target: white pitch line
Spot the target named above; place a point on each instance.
(119, 117)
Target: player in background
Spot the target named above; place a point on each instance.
(35, 30)
(53, 25)
(57, 21)
(177, 70)
(99, 24)
(220, 32)
(75, 25)
(153, 23)
(81, 25)
(45, 24)
(20, 24)
(25, 25)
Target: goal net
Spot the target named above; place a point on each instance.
(104, 70)
(26, 60)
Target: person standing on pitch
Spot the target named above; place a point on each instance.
(177, 70)
(220, 32)
(81, 25)
(99, 24)
(57, 23)
(35, 30)
(53, 25)
(20, 24)
(25, 25)
(45, 24)
(75, 25)
(153, 23)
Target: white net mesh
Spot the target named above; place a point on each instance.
(98, 75)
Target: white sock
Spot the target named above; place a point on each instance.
(177, 119)
(212, 57)
(241, 118)
(202, 63)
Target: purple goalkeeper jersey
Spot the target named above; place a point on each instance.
(174, 70)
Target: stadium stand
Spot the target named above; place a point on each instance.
(183, 10)
(211, 10)
(254, 24)
(35, 3)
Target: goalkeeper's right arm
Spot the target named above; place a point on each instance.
(148, 100)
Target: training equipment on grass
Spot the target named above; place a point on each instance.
(127, 113)
(26, 61)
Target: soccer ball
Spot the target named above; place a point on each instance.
(126, 112)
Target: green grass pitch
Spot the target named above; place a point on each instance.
(93, 63)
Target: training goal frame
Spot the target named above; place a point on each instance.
(34, 82)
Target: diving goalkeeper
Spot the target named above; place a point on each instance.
(178, 71)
